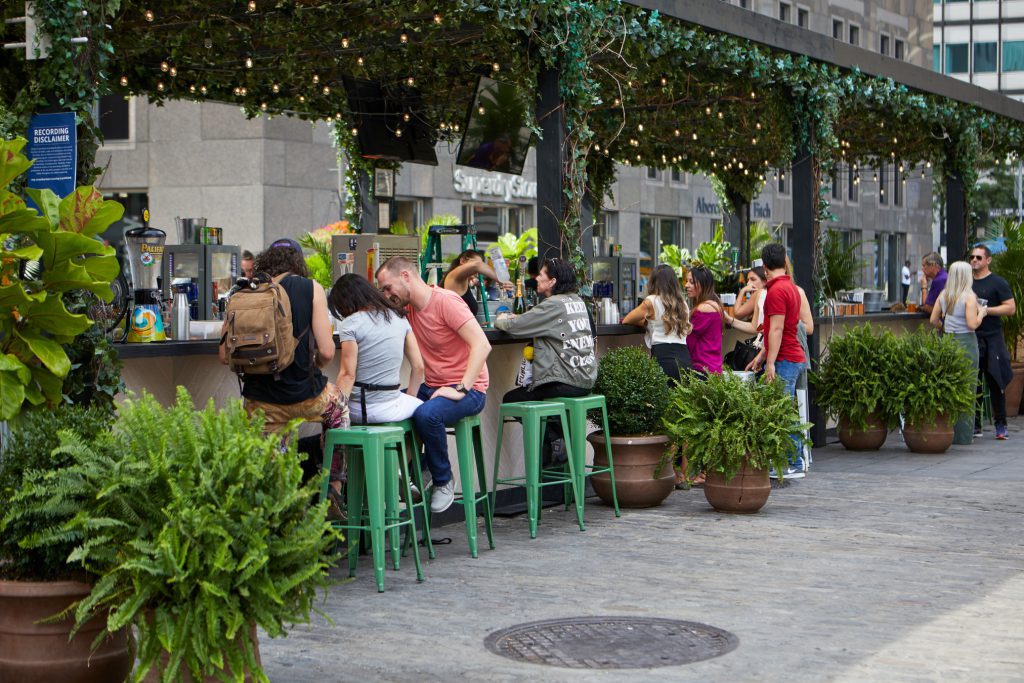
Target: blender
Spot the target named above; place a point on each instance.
(145, 250)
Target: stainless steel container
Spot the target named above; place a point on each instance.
(181, 315)
(189, 229)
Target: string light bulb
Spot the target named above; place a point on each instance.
(359, 60)
(252, 5)
(316, 78)
(276, 88)
(405, 117)
(164, 66)
(327, 90)
(677, 132)
(664, 81)
(302, 98)
(694, 136)
(495, 67)
(438, 18)
(192, 89)
(442, 125)
(354, 131)
(248, 62)
(160, 86)
(481, 110)
(173, 71)
(149, 15)
(410, 81)
(263, 106)
(398, 132)
(640, 127)
(344, 42)
(124, 81)
(202, 89)
(403, 38)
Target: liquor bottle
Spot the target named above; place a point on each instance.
(520, 304)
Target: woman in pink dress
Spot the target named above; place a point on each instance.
(707, 321)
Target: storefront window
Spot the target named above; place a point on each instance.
(491, 220)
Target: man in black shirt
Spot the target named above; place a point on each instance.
(994, 360)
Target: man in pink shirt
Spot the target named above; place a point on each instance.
(455, 350)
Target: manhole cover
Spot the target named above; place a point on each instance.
(611, 642)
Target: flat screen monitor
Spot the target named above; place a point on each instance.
(388, 122)
(496, 136)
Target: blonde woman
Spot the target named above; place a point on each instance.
(667, 318)
(957, 313)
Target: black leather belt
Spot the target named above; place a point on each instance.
(364, 387)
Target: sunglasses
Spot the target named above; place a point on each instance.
(977, 257)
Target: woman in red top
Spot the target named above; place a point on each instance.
(707, 321)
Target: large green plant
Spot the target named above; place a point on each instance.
(935, 377)
(198, 526)
(839, 264)
(716, 256)
(721, 422)
(1009, 264)
(513, 246)
(635, 390)
(34, 436)
(857, 376)
(61, 238)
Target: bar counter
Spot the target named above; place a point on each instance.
(159, 367)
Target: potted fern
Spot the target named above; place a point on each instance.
(200, 530)
(855, 381)
(636, 393)
(735, 431)
(937, 382)
(37, 581)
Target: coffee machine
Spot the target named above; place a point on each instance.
(144, 248)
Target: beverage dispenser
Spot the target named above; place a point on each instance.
(144, 248)
(205, 272)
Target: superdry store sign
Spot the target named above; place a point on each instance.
(507, 187)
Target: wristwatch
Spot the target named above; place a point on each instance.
(461, 388)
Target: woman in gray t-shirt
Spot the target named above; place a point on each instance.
(375, 338)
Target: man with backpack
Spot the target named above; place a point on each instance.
(276, 336)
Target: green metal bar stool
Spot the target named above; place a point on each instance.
(533, 415)
(381, 456)
(576, 408)
(469, 444)
(417, 479)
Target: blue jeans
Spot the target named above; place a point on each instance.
(432, 417)
(789, 373)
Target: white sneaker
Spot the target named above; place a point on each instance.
(442, 497)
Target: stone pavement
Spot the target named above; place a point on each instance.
(884, 566)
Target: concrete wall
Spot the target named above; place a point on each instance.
(259, 179)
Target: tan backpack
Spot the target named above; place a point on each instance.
(258, 336)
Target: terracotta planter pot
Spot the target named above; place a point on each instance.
(745, 493)
(1015, 389)
(153, 675)
(929, 436)
(32, 652)
(870, 439)
(635, 458)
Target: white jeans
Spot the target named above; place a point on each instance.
(396, 407)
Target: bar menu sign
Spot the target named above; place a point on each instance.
(52, 144)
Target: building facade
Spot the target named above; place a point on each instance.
(982, 43)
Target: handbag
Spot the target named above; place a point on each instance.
(745, 351)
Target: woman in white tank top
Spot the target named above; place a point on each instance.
(666, 317)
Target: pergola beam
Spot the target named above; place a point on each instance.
(719, 16)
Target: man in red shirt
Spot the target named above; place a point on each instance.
(782, 354)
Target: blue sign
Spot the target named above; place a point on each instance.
(52, 144)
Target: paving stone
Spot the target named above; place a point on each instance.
(888, 566)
